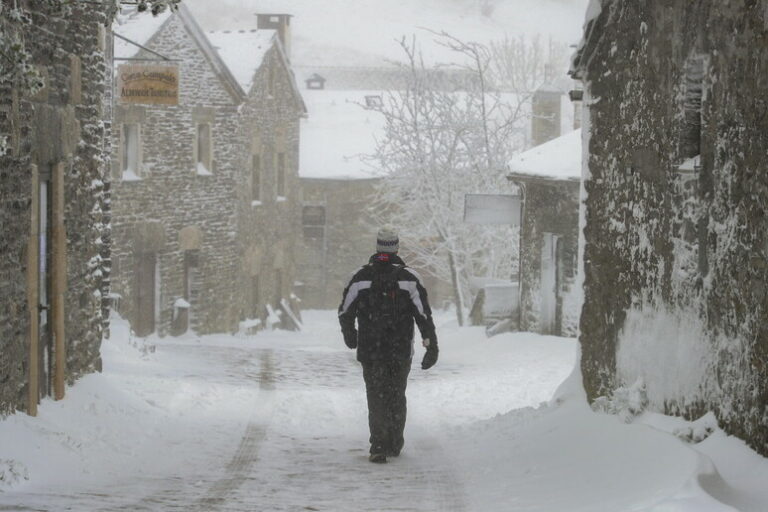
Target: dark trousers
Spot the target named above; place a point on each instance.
(385, 383)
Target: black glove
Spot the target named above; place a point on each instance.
(430, 357)
(350, 339)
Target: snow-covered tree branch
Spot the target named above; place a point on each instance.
(439, 145)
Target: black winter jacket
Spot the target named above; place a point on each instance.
(383, 336)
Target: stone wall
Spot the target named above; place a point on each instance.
(270, 223)
(551, 207)
(57, 135)
(676, 258)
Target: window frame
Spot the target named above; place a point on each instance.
(281, 183)
(256, 172)
(124, 150)
(207, 161)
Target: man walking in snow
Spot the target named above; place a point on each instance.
(385, 297)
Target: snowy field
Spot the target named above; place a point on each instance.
(278, 422)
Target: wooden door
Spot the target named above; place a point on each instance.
(548, 286)
(146, 291)
(45, 343)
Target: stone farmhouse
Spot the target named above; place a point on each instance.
(676, 240)
(54, 254)
(205, 193)
(549, 179)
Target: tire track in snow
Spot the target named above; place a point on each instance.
(238, 469)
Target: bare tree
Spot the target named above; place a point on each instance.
(438, 145)
(521, 65)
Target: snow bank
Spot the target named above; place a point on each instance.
(505, 418)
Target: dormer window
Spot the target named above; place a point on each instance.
(373, 101)
(316, 82)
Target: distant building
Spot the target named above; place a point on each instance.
(205, 193)
(676, 240)
(381, 78)
(337, 190)
(549, 179)
(54, 208)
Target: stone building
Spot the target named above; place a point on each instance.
(205, 188)
(54, 208)
(549, 179)
(675, 240)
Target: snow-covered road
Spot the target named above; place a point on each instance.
(278, 422)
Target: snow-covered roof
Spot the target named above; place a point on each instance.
(558, 159)
(242, 51)
(336, 133)
(139, 27)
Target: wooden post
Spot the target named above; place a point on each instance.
(33, 297)
(59, 281)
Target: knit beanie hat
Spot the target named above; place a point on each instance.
(387, 241)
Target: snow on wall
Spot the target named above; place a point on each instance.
(669, 349)
(675, 256)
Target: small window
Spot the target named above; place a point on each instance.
(373, 101)
(203, 149)
(313, 221)
(256, 178)
(690, 137)
(274, 19)
(281, 175)
(278, 287)
(130, 151)
(271, 81)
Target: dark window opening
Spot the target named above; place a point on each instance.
(255, 297)
(256, 178)
(130, 146)
(692, 107)
(278, 287)
(203, 155)
(373, 101)
(313, 221)
(281, 174)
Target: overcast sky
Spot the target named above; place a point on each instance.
(363, 32)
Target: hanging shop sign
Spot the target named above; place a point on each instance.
(147, 84)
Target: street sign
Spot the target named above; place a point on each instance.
(492, 209)
(148, 84)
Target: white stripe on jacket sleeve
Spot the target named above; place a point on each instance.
(412, 288)
(354, 289)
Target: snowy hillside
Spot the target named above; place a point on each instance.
(363, 32)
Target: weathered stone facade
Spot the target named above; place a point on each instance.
(54, 210)
(270, 228)
(193, 246)
(676, 234)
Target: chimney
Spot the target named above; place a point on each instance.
(279, 22)
(546, 118)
